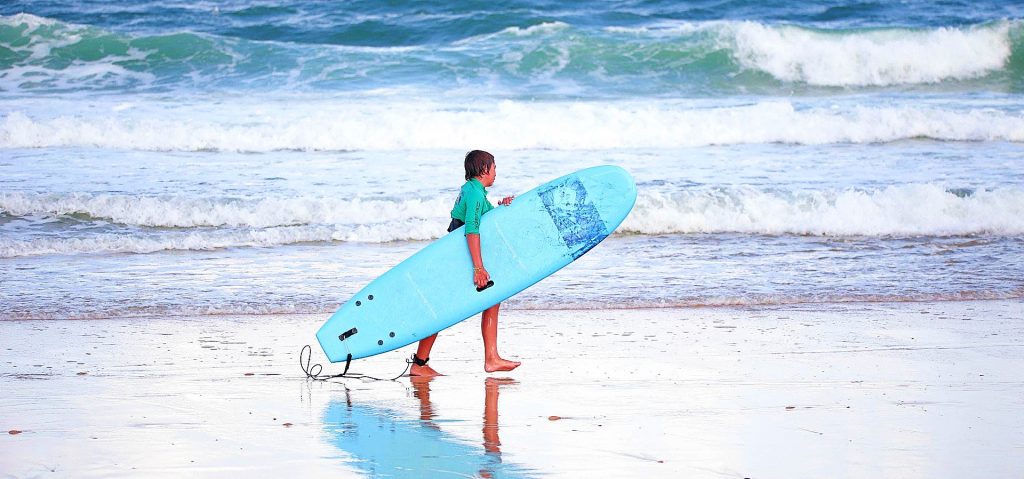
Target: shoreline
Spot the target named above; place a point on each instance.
(837, 389)
(1013, 297)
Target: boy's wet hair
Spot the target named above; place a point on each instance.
(478, 162)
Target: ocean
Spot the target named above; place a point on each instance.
(196, 158)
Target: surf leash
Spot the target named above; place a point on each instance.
(314, 371)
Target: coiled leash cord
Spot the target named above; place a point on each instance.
(313, 372)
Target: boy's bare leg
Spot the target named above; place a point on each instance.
(489, 327)
(423, 352)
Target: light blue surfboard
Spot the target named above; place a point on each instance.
(543, 230)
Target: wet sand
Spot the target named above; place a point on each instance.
(836, 390)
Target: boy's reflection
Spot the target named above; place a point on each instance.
(492, 444)
(491, 387)
(382, 444)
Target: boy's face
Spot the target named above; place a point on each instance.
(487, 179)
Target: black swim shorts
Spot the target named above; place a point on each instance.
(455, 224)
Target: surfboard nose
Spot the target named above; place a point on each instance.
(613, 180)
(614, 176)
(623, 177)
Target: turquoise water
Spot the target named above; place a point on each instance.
(522, 51)
(173, 158)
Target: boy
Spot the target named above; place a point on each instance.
(471, 205)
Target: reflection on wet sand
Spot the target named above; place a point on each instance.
(382, 444)
(492, 444)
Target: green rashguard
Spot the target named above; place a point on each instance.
(471, 205)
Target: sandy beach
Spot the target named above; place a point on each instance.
(839, 390)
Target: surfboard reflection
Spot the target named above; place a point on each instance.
(384, 445)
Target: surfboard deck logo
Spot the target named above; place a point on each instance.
(542, 231)
(577, 220)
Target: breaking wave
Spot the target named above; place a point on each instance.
(318, 125)
(150, 224)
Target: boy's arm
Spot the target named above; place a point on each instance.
(480, 275)
(473, 213)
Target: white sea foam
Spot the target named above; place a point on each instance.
(921, 209)
(874, 57)
(918, 209)
(333, 126)
(185, 212)
(44, 35)
(27, 20)
(39, 32)
(201, 240)
(853, 58)
(539, 29)
(106, 74)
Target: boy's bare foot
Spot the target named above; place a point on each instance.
(498, 364)
(423, 371)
